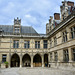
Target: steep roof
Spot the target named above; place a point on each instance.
(24, 29)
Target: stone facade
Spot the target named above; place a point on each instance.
(24, 47)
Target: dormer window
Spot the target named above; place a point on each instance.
(17, 26)
(17, 30)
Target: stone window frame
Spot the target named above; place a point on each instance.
(64, 36)
(51, 57)
(45, 45)
(37, 44)
(4, 57)
(72, 29)
(26, 44)
(66, 55)
(55, 41)
(56, 56)
(17, 30)
(0, 42)
(50, 43)
(73, 53)
(15, 43)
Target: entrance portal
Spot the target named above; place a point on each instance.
(15, 60)
(37, 61)
(46, 60)
(26, 60)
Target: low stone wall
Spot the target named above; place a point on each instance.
(63, 65)
(2, 65)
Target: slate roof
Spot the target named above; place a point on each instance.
(24, 29)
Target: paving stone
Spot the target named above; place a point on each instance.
(36, 71)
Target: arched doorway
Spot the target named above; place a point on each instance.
(26, 60)
(37, 61)
(46, 60)
(15, 60)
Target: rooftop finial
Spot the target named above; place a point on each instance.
(17, 21)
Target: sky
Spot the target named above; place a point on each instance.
(33, 13)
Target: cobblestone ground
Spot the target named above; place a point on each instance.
(36, 71)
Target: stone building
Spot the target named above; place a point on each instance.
(22, 46)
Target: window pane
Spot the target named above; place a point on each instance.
(16, 44)
(4, 56)
(66, 56)
(74, 54)
(45, 43)
(37, 44)
(73, 32)
(27, 44)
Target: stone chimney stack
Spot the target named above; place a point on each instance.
(69, 3)
(56, 16)
(51, 19)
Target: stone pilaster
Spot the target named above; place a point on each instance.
(70, 54)
(60, 56)
(53, 57)
(48, 57)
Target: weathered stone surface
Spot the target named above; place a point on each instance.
(36, 71)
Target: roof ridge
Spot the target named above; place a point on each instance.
(6, 25)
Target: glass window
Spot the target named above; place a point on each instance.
(17, 30)
(50, 43)
(15, 44)
(74, 54)
(45, 43)
(50, 56)
(73, 32)
(55, 56)
(37, 44)
(4, 56)
(27, 44)
(66, 56)
(64, 36)
(55, 41)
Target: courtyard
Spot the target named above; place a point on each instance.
(37, 71)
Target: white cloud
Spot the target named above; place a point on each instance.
(28, 16)
(8, 8)
(32, 12)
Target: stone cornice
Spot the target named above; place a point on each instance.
(60, 25)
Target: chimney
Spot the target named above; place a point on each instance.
(56, 16)
(49, 20)
(69, 3)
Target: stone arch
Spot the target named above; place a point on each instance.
(46, 59)
(37, 60)
(38, 54)
(26, 60)
(15, 60)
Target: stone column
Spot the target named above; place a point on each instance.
(21, 53)
(10, 54)
(31, 61)
(9, 59)
(20, 60)
(42, 60)
(70, 54)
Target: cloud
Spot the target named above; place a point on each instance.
(33, 13)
